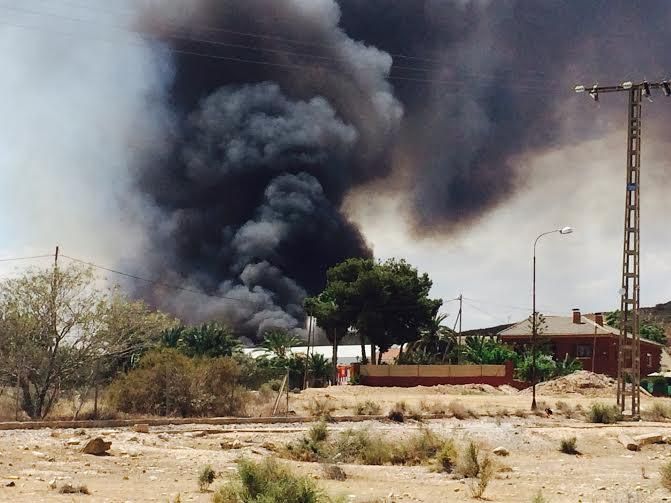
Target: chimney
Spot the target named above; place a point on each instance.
(576, 315)
(598, 318)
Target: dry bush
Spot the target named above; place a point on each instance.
(318, 432)
(397, 412)
(70, 489)
(206, 477)
(468, 464)
(566, 410)
(568, 445)
(167, 383)
(658, 412)
(520, 413)
(367, 408)
(459, 410)
(333, 472)
(502, 412)
(321, 408)
(418, 448)
(539, 498)
(268, 481)
(447, 457)
(605, 414)
(436, 408)
(485, 474)
(665, 475)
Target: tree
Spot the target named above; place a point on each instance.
(329, 317)
(648, 329)
(486, 351)
(387, 303)
(566, 366)
(436, 342)
(543, 369)
(278, 342)
(59, 332)
(210, 340)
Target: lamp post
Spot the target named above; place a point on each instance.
(534, 321)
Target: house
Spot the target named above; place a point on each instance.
(590, 341)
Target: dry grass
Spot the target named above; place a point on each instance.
(468, 464)
(539, 498)
(333, 472)
(486, 472)
(70, 489)
(520, 413)
(605, 414)
(447, 457)
(321, 408)
(568, 445)
(367, 408)
(665, 475)
(566, 410)
(658, 412)
(436, 408)
(459, 410)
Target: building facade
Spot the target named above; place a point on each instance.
(593, 343)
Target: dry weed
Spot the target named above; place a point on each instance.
(665, 475)
(321, 408)
(658, 412)
(70, 489)
(367, 408)
(568, 445)
(333, 472)
(459, 410)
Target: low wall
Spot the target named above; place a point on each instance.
(432, 375)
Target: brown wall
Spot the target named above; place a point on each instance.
(605, 356)
(421, 375)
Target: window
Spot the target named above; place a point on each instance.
(583, 351)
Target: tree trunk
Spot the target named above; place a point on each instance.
(373, 360)
(379, 357)
(335, 356)
(363, 350)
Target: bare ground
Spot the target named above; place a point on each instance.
(165, 462)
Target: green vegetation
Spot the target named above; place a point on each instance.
(268, 481)
(210, 340)
(206, 477)
(601, 413)
(648, 330)
(568, 445)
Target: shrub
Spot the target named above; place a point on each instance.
(367, 408)
(418, 448)
(397, 412)
(568, 445)
(160, 385)
(333, 472)
(206, 477)
(539, 498)
(70, 489)
(318, 432)
(485, 474)
(320, 408)
(468, 464)
(606, 414)
(447, 457)
(659, 411)
(568, 411)
(215, 389)
(665, 475)
(268, 481)
(458, 410)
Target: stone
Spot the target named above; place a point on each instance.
(501, 451)
(11, 484)
(52, 484)
(648, 438)
(97, 447)
(73, 441)
(141, 428)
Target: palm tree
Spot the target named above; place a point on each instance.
(436, 341)
(279, 341)
(319, 367)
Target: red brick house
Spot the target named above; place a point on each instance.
(591, 342)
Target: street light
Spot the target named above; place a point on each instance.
(534, 328)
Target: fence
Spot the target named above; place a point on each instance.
(431, 375)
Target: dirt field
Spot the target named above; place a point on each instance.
(159, 465)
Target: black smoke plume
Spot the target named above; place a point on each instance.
(283, 107)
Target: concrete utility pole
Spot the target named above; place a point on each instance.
(629, 343)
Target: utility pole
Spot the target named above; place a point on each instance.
(629, 342)
(458, 320)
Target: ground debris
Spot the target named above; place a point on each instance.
(583, 382)
(97, 447)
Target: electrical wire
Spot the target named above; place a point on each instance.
(16, 259)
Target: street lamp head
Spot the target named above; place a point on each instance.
(566, 230)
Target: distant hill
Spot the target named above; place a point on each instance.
(660, 314)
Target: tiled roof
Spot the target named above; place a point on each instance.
(563, 325)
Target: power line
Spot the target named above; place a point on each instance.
(16, 259)
(531, 86)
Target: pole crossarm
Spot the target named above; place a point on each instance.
(629, 342)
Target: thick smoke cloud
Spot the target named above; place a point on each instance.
(212, 143)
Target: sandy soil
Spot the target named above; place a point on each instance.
(165, 462)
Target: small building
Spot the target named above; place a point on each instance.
(590, 341)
